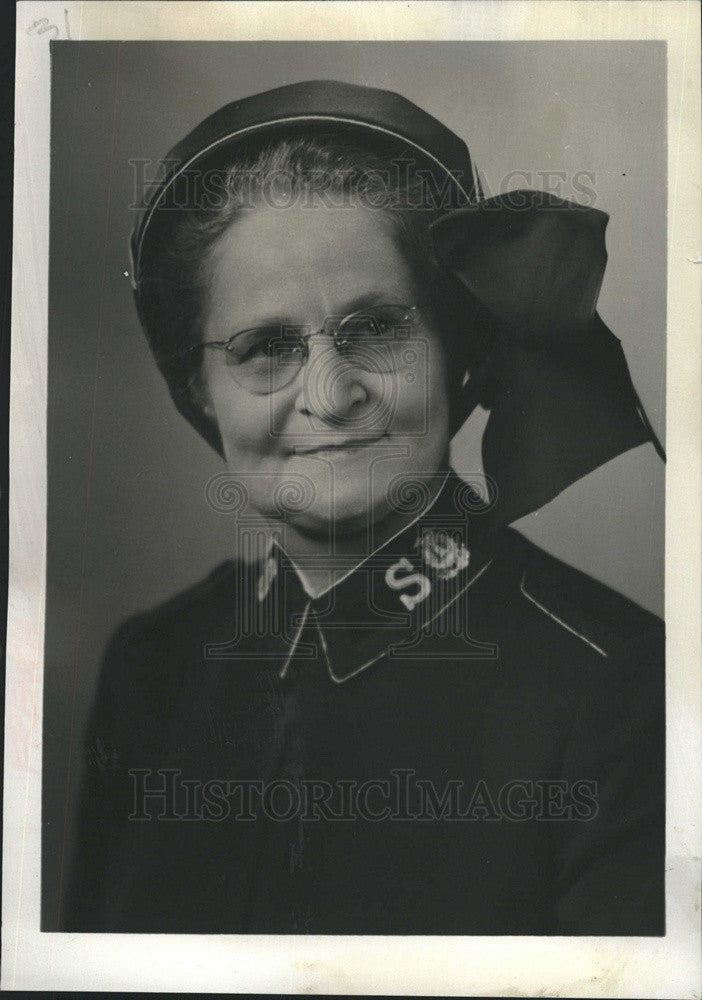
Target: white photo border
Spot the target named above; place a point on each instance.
(666, 967)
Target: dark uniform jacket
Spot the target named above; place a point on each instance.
(463, 736)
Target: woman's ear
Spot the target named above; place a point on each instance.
(201, 395)
(208, 409)
(193, 400)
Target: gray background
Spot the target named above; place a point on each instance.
(128, 524)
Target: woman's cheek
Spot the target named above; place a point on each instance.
(244, 422)
(422, 403)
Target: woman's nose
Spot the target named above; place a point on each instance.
(331, 388)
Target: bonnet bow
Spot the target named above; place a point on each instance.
(556, 381)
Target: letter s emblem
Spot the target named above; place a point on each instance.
(396, 582)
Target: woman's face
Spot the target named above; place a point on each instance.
(334, 438)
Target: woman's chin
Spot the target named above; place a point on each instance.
(349, 514)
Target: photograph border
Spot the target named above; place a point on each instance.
(508, 966)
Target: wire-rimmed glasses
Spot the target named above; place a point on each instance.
(264, 359)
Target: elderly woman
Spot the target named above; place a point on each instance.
(391, 714)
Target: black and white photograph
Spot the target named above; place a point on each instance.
(357, 574)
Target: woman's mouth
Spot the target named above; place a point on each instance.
(329, 446)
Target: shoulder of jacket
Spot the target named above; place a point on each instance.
(200, 596)
(602, 618)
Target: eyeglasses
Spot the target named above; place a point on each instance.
(264, 359)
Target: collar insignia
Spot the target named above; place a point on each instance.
(386, 605)
(443, 553)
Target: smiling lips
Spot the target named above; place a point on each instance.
(334, 445)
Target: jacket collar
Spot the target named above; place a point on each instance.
(387, 603)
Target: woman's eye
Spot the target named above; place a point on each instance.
(254, 344)
(265, 348)
(369, 325)
(381, 322)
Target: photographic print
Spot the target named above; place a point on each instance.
(355, 592)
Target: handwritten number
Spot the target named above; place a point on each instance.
(43, 25)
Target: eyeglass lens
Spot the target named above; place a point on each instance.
(265, 359)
